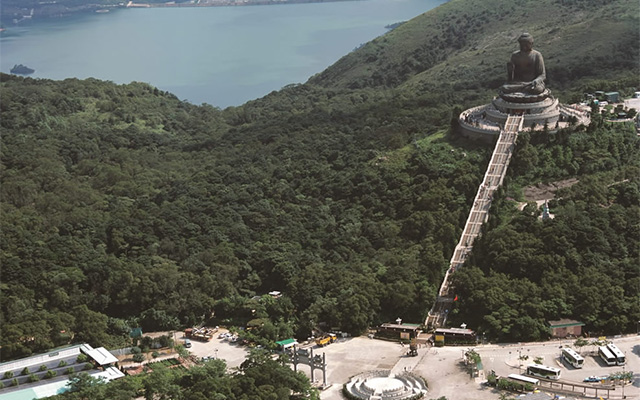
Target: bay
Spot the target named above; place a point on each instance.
(223, 56)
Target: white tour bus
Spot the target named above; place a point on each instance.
(606, 355)
(619, 355)
(573, 358)
(543, 371)
(523, 379)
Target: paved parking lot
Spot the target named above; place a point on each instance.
(442, 368)
(232, 353)
(446, 375)
(504, 360)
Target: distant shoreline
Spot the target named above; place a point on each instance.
(17, 15)
(227, 3)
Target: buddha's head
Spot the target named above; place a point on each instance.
(526, 42)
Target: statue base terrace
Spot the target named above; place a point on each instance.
(519, 97)
(485, 122)
(535, 112)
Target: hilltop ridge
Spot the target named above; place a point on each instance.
(465, 43)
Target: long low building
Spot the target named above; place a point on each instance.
(566, 328)
(399, 331)
(47, 374)
(443, 336)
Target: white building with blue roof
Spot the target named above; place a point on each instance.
(47, 374)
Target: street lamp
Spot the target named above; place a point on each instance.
(519, 360)
(623, 379)
(216, 350)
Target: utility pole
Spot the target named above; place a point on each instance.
(623, 378)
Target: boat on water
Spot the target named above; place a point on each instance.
(22, 70)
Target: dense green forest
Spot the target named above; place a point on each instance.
(582, 264)
(125, 202)
(122, 206)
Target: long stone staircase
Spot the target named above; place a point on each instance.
(478, 215)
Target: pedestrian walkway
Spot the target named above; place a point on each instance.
(493, 178)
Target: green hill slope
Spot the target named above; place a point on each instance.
(122, 206)
(468, 41)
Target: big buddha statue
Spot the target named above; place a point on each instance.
(525, 74)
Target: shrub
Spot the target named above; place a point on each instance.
(62, 363)
(505, 384)
(33, 378)
(82, 358)
(50, 374)
(146, 342)
(8, 374)
(155, 354)
(136, 350)
(68, 371)
(25, 371)
(88, 366)
(42, 368)
(15, 382)
(1, 385)
(138, 357)
(165, 341)
(491, 378)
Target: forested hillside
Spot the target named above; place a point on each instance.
(121, 202)
(583, 263)
(123, 206)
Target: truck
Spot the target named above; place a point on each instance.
(201, 334)
(326, 339)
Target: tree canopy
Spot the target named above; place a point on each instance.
(582, 264)
(260, 378)
(122, 206)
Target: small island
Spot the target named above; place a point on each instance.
(22, 70)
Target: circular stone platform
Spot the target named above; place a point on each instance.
(485, 122)
(384, 384)
(374, 385)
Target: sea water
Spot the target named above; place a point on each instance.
(223, 56)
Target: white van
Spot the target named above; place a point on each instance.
(187, 343)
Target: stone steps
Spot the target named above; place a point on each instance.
(364, 387)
